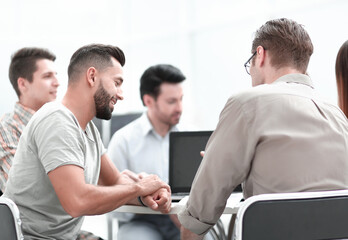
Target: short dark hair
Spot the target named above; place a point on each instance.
(23, 64)
(342, 77)
(154, 76)
(287, 41)
(96, 55)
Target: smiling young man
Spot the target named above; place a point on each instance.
(61, 170)
(33, 76)
(143, 146)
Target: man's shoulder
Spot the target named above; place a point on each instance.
(273, 91)
(8, 123)
(9, 134)
(131, 129)
(128, 134)
(5, 120)
(51, 108)
(52, 115)
(253, 93)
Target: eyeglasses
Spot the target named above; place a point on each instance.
(247, 64)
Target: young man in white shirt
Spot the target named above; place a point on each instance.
(143, 146)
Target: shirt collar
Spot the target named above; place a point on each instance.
(24, 113)
(147, 127)
(295, 78)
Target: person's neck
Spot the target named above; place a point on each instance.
(274, 74)
(29, 104)
(80, 105)
(161, 128)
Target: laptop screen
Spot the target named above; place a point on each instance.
(185, 158)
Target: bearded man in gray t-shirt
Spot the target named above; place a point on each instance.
(61, 172)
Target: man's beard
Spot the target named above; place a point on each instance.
(165, 119)
(102, 101)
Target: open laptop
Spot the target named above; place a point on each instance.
(184, 160)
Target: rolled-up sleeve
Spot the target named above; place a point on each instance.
(225, 165)
(193, 224)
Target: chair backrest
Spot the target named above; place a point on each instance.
(307, 215)
(10, 223)
(120, 120)
(108, 128)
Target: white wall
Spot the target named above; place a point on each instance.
(208, 40)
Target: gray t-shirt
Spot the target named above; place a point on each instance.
(52, 138)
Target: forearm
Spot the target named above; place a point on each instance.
(101, 199)
(79, 198)
(95, 200)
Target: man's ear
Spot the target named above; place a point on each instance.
(148, 100)
(22, 84)
(91, 76)
(261, 55)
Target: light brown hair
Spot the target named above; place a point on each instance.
(287, 41)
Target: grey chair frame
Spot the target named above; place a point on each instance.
(217, 232)
(10, 222)
(288, 216)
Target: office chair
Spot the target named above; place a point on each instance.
(108, 128)
(289, 216)
(218, 231)
(10, 223)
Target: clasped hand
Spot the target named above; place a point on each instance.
(154, 193)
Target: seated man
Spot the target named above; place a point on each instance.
(33, 76)
(143, 146)
(279, 136)
(61, 171)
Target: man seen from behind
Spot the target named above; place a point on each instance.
(279, 136)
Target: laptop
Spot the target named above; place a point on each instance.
(184, 160)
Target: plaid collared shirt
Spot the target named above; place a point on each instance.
(11, 127)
